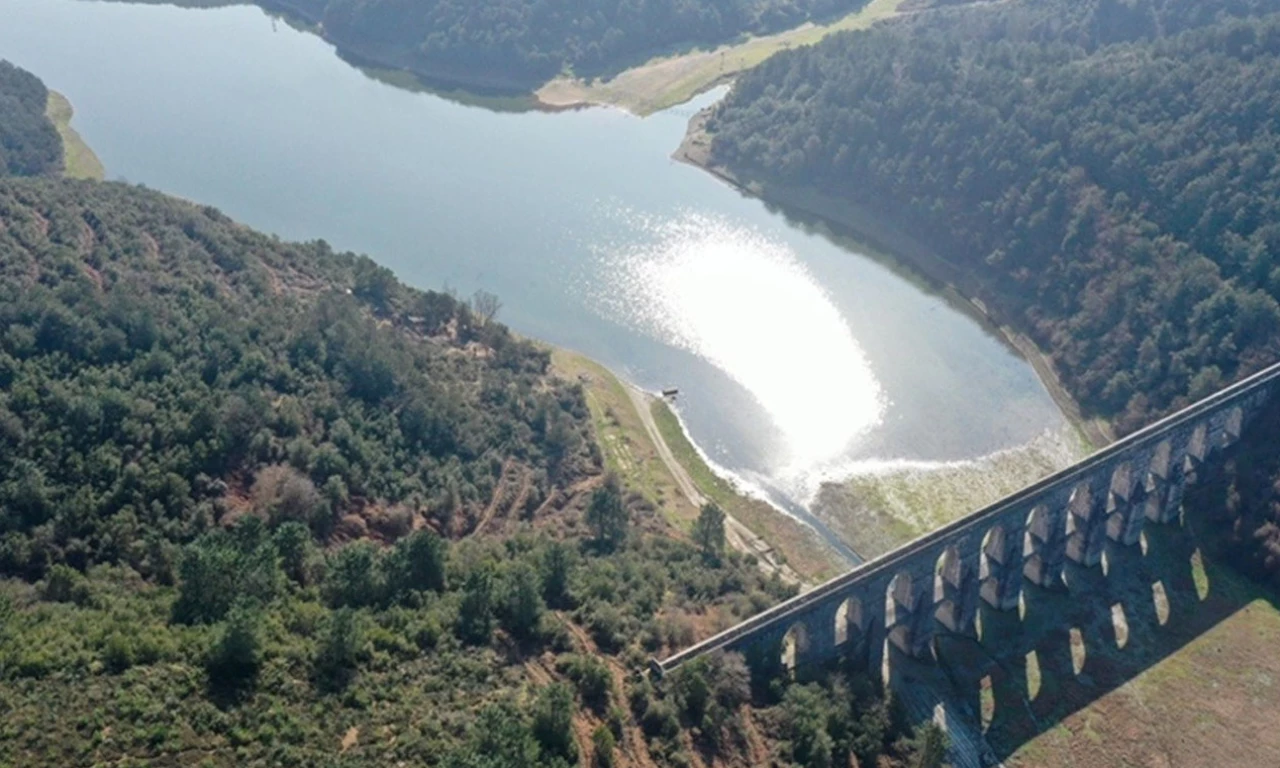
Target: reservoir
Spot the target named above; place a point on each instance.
(798, 356)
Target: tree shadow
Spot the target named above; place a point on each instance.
(1065, 648)
(227, 691)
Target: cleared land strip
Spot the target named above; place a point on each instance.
(653, 455)
(739, 536)
(665, 82)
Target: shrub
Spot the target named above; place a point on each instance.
(602, 743)
(65, 584)
(553, 722)
(236, 655)
(591, 675)
(340, 649)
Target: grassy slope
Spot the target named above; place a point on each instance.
(629, 452)
(879, 511)
(799, 545)
(81, 162)
(665, 82)
(627, 449)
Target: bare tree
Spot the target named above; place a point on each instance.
(485, 305)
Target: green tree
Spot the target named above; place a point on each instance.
(524, 601)
(930, 747)
(236, 654)
(499, 738)
(708, 532)
(293, 541)
(557, 564)
(607, 514)
(690, 687)
(353, 578)
(417, 564)
(602, 745)
(338, 655)
(475, 613)
(223, 567)
(64, 584)
(553, 722)
(592, 676)
(805, 712)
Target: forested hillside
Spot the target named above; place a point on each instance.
(524, 43)
(29, 144)
(163, 368)
(1108, 170)
(261, 504)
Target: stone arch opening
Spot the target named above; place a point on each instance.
(1122, 486)
(952, 589)
(1043, 546)
(794, 645)
(1162, 460)
(900, 606)
(1000, 562)
(1125, 508)
(849, 626)
(1199, 446)
(1233, 428)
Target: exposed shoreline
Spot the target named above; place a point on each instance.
(79, 159)
(644, 443)
(662, 81)
(669, 80)
(962, 287)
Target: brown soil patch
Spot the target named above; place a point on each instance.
(350, 738)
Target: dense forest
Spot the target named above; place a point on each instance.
(262, 504)
(164, 368)
(1108, 172)
(527, 42)
(29, 144)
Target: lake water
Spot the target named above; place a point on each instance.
(797, 357)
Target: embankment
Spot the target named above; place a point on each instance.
(644, 443)
(79, 160)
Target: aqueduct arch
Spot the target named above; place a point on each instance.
(903, 598)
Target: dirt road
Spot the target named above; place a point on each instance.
(739, 536)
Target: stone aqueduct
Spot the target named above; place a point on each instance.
(934, 584)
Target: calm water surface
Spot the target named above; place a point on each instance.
(797, 357)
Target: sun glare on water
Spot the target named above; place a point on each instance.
(746, 304)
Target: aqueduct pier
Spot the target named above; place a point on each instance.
(933, 584)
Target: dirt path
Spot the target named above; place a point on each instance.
(739, 536)
(641, 402)
(757, 749)
(633, 745)
(499, 493)
(582, 724)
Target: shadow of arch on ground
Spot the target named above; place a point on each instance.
(1031, 670)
